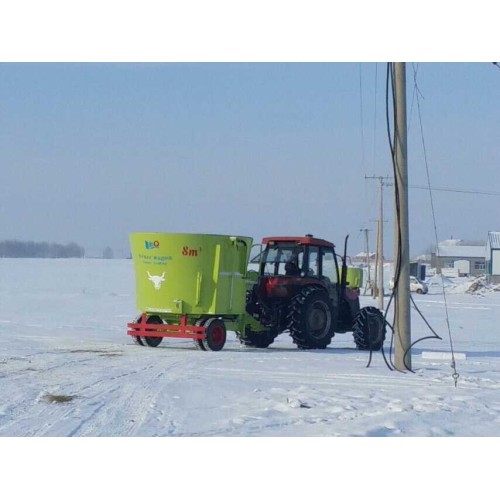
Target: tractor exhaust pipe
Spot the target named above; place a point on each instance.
(343, 274)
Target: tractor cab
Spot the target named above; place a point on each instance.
(289, 263)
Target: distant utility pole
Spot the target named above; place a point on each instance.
(402, 324)
(367, 258)
(380, 242)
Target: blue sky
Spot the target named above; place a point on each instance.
(92, 152)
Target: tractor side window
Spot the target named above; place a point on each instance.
(329, 269)
(313, 262)
(270, 261)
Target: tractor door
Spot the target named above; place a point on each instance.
(348, 301)
(328, 272)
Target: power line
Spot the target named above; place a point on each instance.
(467, 191)
(415, 90)
(452, 190)
(453, 364)
(375, 118)
(361, 116)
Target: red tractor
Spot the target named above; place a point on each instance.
(300, 287)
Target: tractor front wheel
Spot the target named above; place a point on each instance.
(311, 319)
(256, 339)
(215, 335)
(369, 329)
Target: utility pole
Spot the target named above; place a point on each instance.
(402, 354)
(367, 259)
(380, 242)
(375, 278)
(380, 264)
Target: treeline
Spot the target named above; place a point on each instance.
(43, 250)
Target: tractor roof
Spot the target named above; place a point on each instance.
(301, 240)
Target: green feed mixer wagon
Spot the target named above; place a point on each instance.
(198, 286)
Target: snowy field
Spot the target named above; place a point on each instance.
(63, 325)
(67, 368)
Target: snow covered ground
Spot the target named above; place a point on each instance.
(67, 368)
(63, 326)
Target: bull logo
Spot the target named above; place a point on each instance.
(156, 280)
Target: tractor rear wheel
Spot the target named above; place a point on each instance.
(250, 338)
(152, 341)
(215, 335)
(369, 329)
(311, 319)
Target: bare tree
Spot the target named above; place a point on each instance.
(108, 253)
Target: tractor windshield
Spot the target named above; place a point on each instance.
(282, 259)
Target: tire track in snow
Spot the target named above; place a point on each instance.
(124, 401)
(129, 393)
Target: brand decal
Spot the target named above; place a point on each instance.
(190, 252)
(160, 260)
(156, 280)
(151, 245)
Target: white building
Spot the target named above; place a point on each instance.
(493, 257)
(466, 258)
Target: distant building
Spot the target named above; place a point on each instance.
(420, 266)
(462, 257)
(418, 269)
(493, 257)
(361, 258)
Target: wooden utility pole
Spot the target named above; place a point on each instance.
(380, 259)
(367, 259)
(402, 324)
(379, 273)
